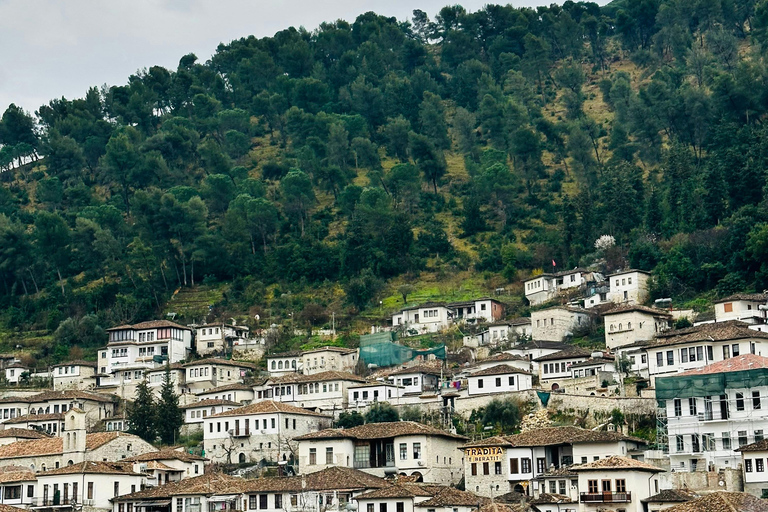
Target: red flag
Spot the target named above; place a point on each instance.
(553, 263)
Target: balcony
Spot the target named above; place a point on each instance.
(240, 433)
(606, 497)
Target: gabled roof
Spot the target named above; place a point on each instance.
(718, 331)
(502, 356)
(55, 445)
(295, 378)
(151, 324)
(207, 484)
(399, 490)
(551, 436)
(210, 402)
(220, 362)
(548, 498)
(637, 307)
(592, 361)
(500, 369)
(229, 387)
(533, 345)
(267, 407)
(734, 364)
(165, 454)
(76, 363)
(70, 394)
(91, 467)
(618, 463)
(670, 496)
(16, 474)
(379, 431)
(329, 348)
(23, 433)
(629, 272)
(721, 501)
(334, 478)
(749, 297)
(420, 368)
(26, 418)
(570, 353)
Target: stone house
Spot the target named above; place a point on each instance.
(628, 324)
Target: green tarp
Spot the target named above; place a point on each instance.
(715, 384)
(380, 349)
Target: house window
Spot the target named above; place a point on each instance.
(759, 465)
(400, 506)
(312, 456)
(480, 383)
(117, 489)
(670, 357)
(513, 466)
(679, 443)
(735, 349)
(263, 501)
(683, 355)
(498, 382)
(382, 507)
(592, 486)
(252, 502)
(742, 438)
(473, 468)
(486, 468)
(748, 465)
(692, 406)
(525, 466)
(726, 352)
(621, 485)
(278, 501)
(511, 381)
(416, 451)
(659, 359)
(728, 307)
(369, 507)
(403, 451)
(695, 443)
(756, 400)
(739, 401)
(90, 490)
(541, 465)
(678, 407)
(758, 435)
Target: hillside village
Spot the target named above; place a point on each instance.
(271, 432)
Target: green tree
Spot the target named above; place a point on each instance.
(142, 413)
(350, 419)
(504, 415)
(298, 196)
(169, 416)
(381, 412)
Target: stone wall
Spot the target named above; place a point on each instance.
(727, 479)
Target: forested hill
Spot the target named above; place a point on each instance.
(322, 169)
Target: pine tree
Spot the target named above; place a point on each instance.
(141, 414)
(169, 416)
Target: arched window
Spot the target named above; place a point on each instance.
(629, 325)
(293, 364)
(619, 326)
(612, 327)
(69, 462)
(274, 365)
(280, 365)
(68, 441)
(287, 365)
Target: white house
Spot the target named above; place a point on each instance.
(196, 412)
(337, 359)
(520, 362)
(208, 492)
(218, 338)
(417, 379)
(713, 410)
(29, 410)
(680, 350)
(434, 317)
(544, 287)
(668, 498)
(753, 460)
(415, 497)
(74, 375)
(17, 488)
(403, 447)
(283, 363)
(629, 287)
(206, 374)
(368, 393)
(593, 366)
(240, 393)
(501, 464)
(559, 322)
(616, 482)
(501, 378)
(326, 391)
(167, 465)
(14, 372)
(261, 431)
(630, 323)
(134, 349)
(10, 435)
(557, 366)
(92, 484)
(742, 306)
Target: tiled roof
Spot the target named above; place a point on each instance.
(220, 362)
(593, 361)
(290, 353)
(22, 433)
(295, 378)
(550, 436)
(207, 484)
(18, 365)
(267, 407)
(568, 353)
(151, 324)
(49, 446)
(670, 496)
(734, 364)
(421, 368)
(165, 454)
(9, 508)
(59, 395)
(78, 362)
(93, 441)
(379, 431)
(751, 297)
(16, 474)
(504, 507)
(451, 497)
(340, 350)
(333, 478)
(617, 462)
(229, 387)
(721, 501)
(210, 402)
(628, 272)
(637, 307)
(557, 472)
(91, 467)
(404, 490)
(533, 345)
(547, 498)
(718, 331)
(503, 356)
(25, 418)
(500, 369)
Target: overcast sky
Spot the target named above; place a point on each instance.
(54, 48)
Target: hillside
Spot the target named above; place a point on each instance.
(315, 175)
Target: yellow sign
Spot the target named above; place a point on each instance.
(487, 454)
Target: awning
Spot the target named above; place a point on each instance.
(223, 498)
(150, 504)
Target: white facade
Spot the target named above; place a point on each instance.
(544, 287)
(13, 372)
(196, 412)
(631, 324)
(88, 484)
(416, 380)
(630, 287)
(329, 359)
(363, 395)
(207, 374)
(744, 307)
(499, 379)
(239, 393)
(74, 375)
(325, 391)
(283, 363)
(617, 488)
(753, 463)
(558, 365)
(219, 338)
(424, 319)
(555, 324)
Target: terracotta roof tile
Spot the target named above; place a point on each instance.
(165, 454)
(207, 484)
(405, 490)
(317, 377)
(670, 496)
(752, 297)
(332, 478)
(637, 307)
(229, 387)
(267, 407)
(721, 501)
(569, 353)
(379, 431)
(451, 497)
(503, 356)
(210, 402)
(500, 369)
(550, 436)
(151, 324)
(15, 474)
(220, 362)
(504, 507)
(734, 364)
(23, 433)
(718, 331)
(548, 498)
(50, 446)
(617, 462)
(421, 368)
(9, 508)
(78, 362)
(92, 467)
(26, 418)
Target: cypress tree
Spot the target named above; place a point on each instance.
(169, 416)
(141, 414)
